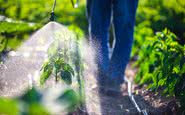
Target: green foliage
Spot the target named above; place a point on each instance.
(27, 104)
(58, 66)
(155, 15)
(142, 33)
(11, 28)
(66, 76)
(37, 109)
(12, 33)
(162, 64)
(160, 58)
(8, 106)
(163, 13)
(31, 96)
(46, 72)
(64, 64)
(38, 11)
(3, 43)
(70, 97)
(62, 57)
(31, 103)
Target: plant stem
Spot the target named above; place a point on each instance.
(56, 77)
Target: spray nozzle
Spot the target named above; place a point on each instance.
(52, 16)
(75, 5)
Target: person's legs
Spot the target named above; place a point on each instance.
(123, 19)
(99, 17)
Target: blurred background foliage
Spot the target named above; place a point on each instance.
(152, 16)
(156, 15)
(20, 18)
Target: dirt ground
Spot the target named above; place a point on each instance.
(98, 103)
(154, 103)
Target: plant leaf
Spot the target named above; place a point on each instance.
(66, 76)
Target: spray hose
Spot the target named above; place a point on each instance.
(52, 15)
(132, 99)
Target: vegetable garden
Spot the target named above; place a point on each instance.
(158, 52)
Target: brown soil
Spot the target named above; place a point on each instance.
(98, 103)
(155, 103)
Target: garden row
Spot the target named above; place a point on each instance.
(160, 56)
(161, 66)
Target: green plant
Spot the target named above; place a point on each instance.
(162, 65)
(27, 104)
(3, 43)
(57, 63)
(161, 14)
(64, 63)
(155, 15)
(32, 102)
(142, 33)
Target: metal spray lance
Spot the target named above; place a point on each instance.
(52, 15)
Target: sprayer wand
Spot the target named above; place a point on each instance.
(75, 5)
(52, 15)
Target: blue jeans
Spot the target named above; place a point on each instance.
(100, 15)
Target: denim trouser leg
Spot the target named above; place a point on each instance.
(99, 17)
(123, 19)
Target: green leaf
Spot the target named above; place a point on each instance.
(70, 98)
(162, 82)
(44, 76)
(58, 64)
(3, 43)
(8, 107)
(66, 76)
(46, 72)
(37, 109)
(31, 96)
(176, 70)
(152, 87)
(67, 67)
